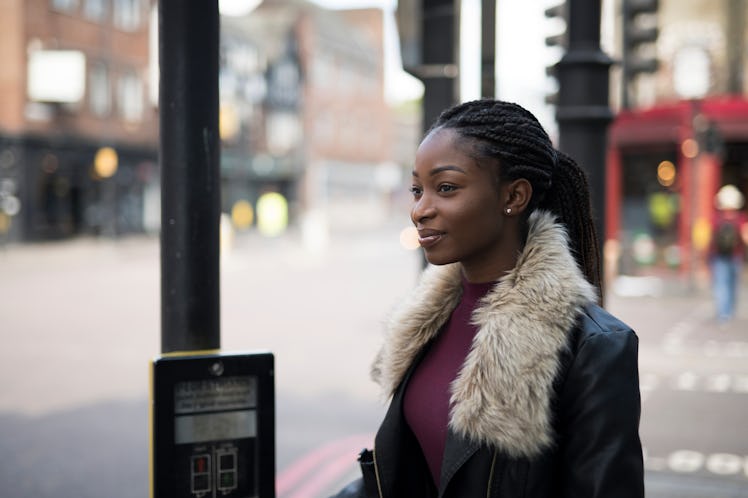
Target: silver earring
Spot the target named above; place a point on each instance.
(508, 210)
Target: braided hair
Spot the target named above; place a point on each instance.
(509, 133)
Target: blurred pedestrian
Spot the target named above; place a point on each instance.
(505, 376)
(729, 236)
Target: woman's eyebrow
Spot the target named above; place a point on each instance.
(440, 169)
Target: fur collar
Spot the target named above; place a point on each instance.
(502, 394)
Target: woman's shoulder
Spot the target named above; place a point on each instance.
(601, 346)
(600, 326)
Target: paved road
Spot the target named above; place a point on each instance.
(694, 381)
(80, 320)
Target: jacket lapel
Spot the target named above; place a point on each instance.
(457, 451)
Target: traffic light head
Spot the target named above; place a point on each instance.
(637, 33)
(559, 40)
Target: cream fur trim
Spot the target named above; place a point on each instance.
(502, 394)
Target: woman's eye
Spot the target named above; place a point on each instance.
(415, 190)
(447, 188)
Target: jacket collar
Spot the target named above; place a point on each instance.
(502, 393)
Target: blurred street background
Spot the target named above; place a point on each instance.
(321, 106)
(80, 321)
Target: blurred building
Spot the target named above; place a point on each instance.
(302, 113)
(685, 135)
(78, 133)
(302, 98)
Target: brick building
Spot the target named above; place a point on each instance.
(303, 113)
(321, 132)
(74, 81)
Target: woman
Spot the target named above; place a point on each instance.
(506, 378)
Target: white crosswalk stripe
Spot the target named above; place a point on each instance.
(693, 382)
(690, 461)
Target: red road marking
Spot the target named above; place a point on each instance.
(325, 477)
(328, 462)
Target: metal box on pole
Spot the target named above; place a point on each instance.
(213, 426)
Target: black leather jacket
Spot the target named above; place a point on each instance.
(596, 452)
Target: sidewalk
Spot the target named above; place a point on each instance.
(672, 286)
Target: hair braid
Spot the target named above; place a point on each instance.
(569, 199)
(507, 132)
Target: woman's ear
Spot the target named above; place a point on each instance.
(517, 194)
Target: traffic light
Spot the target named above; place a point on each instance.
(560, 40)
(637, 34)
(711, 140)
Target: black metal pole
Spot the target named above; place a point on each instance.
(438, 72)
(488, 48)
(583, 112)
(625, 58)
(190, 181)
(439, 49)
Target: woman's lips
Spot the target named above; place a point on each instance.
(429, 238)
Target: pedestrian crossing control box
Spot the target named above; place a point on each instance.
(213, 426)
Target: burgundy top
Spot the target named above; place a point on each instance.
(427, 393)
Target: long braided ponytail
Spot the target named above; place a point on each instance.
(509, 133)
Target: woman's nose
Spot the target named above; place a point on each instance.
(423, 209)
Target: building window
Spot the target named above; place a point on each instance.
(64, 5)
(100, 93)
(95, 10)
(130, 97)
(323, 71)
(127, 14)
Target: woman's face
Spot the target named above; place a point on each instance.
(457, 206)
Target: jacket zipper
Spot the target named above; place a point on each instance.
(490, 475)
(376, 472)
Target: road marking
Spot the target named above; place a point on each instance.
(325, 476)
(724, 464)
(741, 384)
(321, 466)
(686, 381)
(690, 381)
(732, 349)
(672, 348)
(674, 340)
(690, 461)
(719, 383)
(685, 461)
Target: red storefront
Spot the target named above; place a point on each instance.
(665, 165)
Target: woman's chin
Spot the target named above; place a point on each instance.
(437, 259)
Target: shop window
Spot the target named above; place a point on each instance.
(651, 205)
